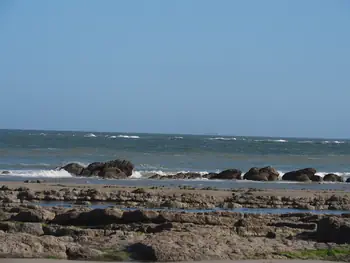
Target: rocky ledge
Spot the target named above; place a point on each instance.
(122, 169)
(28, 231)
(176, 198)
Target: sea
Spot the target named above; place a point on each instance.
(38, 154)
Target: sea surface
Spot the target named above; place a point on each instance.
(37, 154)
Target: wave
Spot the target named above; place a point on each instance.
(128, 136)
(333, 142)
(39, 173)
(223, 139)
(176, 138)
(90, 135)
(272, 140)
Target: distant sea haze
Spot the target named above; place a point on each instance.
(38, 153)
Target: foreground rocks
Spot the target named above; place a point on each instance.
(113, 234)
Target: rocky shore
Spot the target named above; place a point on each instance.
(29, 230)
(122, 169)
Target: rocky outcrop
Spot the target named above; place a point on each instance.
(262, 174)
(303, 175)
(230, 174)
(332, 178)
(116, 169)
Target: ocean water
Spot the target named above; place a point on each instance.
(38, 153)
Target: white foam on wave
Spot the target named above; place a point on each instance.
(223, 139)
(305, 141)
(128, 136)
(90, 135)
(40, 173)
(333, 142)
(272, 140)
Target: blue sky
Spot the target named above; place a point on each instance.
(269, 68)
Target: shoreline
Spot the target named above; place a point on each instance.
(103, 234)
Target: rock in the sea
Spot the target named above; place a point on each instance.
(123, 165)
(112, 173)
(332, 178)
(262, 174)
(73, 168)
(333, 229)
(303, 175)
(229, 174)
(5, 172)
(116, 169)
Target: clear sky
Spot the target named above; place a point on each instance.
(271, 68)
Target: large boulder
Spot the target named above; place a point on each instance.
(229, 174)
(73, 168)
(332, 178)
(333, 229)
(262, 174)
(302, 175)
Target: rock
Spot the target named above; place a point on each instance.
(123, 165)
(333, 229)
(37, 215)
(303, 175)
(78, 252)
(90, 218)
(262, 174)
(5, 172)
(112, 173)
(22, 245)
(73, 168)
(332, 178)
(316, 178)
(228, 175)
(29, 228)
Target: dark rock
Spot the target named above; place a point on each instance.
(316, 178)
(73, 168)
(5, 172)
(37, 215)
(228, 175)
(90, 218)
(271, 235)
(333, 229)
(96, 166)
(262, 174)
(112, 173)
(142, 252)
(303, 175)
(123, 165)
(332, 178)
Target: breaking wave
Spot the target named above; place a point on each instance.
(90, 135)
(128, 136)
(39, 173)
(223, 139)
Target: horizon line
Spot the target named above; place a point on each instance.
(179, 133)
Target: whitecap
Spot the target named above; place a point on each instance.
(223, 138)
(128, 136)
(90, 135)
